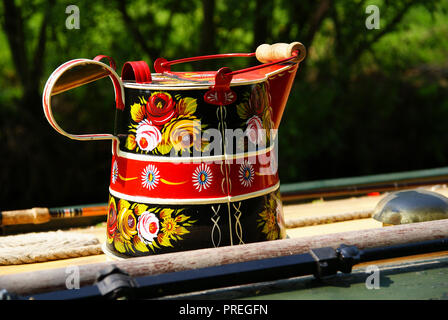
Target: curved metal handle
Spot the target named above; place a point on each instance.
(266, 54)
(75, 73)
(162, 65)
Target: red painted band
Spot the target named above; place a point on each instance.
(187, 180)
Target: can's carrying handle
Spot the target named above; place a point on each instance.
(76, 73)
(267, 54)
(220, 93)
(136, 70)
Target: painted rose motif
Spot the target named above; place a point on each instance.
(160, 108)
(271, 219)
(139, 228)
(147, 136)
(257, 99)
(163, 123)
(256, 111)
(148, 227)
(127, 222)
(254, 130)
(182, 133)
(111, 218)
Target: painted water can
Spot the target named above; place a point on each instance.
(194, 154)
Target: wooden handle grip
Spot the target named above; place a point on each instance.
(34, 215)
(268, 53)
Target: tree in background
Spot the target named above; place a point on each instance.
(364, 101)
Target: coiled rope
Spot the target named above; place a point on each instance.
(324, 219)
(46, 246)
(56, 245)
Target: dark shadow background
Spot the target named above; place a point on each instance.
(364, 101)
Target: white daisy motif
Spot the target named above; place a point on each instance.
(246, 174)
(150, 177)
(202, 177)
(115, 172)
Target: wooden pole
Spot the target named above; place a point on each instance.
(55, 279)
(42, 215)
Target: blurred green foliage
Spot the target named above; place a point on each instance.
(364, 101)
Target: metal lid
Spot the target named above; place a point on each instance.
(204, 79)
(411, 206)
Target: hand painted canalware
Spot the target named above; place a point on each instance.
(194, 161)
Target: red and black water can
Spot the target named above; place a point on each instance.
(194, 154)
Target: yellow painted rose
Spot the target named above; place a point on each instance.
(127, 223)
(181, 134)
(111, 219)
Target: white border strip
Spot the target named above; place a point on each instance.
(143, 157)
(226, 199)
(254, 194)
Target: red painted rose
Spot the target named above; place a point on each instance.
(257, 100)
(255, 130)
(160, 108)
(112, 220)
